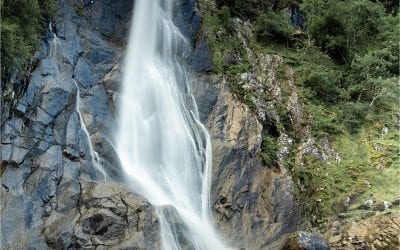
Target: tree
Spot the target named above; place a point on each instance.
(22, 23)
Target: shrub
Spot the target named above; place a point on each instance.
(269, 149)
(353, 115)
(324, 85)
(225, 17)
(325, 121)
(270, 28)
(245, 9)
(328, 33)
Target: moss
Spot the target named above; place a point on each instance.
(79, 10)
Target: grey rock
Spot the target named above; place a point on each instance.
(188, 19)
(385, 205)
(201, 60)
(85, 74)
(110, 18)
(306, 241)
(396, 202)
(242, 185)
(109, 215)
(367, 204)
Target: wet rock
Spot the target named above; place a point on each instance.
(201, 60)
(305, 241)
(179, 229)
(84, 74)
(188, 20)
(206, 91)
(108, 215)
(110, 18)
(253, 204)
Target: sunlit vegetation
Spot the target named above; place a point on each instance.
(345, 55)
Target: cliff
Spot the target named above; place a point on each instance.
(54, 196)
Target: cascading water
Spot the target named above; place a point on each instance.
(164, 150)
(94, 156)
(56, 53)
(55, 50)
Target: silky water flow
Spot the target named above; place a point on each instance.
(164, 150)
(57, 55)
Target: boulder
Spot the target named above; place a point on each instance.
(305, 241)
(377, 232)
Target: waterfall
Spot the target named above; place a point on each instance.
(94, 156)
(56, 53)
(55, 50)
(164, 150)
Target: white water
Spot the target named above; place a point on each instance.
(56, 53)
(94, 156)
(164, 150)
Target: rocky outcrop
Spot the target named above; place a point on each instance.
(46, 156)
(108, 217)
(253, 204)
(377, 232)
(58, 128)
(305, 240)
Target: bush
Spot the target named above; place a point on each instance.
(245, 9)
(328, 33)
(269, 148)
(270, 28)
(353, 115)
(324, 85)
(225, 17)
(325, 121)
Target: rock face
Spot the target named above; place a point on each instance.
(46, 164)
(108, 217)
(377, 232)
(305, 240)
(53, 194)
(253, 204)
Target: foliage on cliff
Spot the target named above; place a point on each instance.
(359, 37)
(22, 24)
(346, 63)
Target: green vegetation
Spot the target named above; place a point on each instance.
(270, 27)
(80, 11)
(269, 147)
(346, 66)
(369, 168)
(22, 23)
(223, 41)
